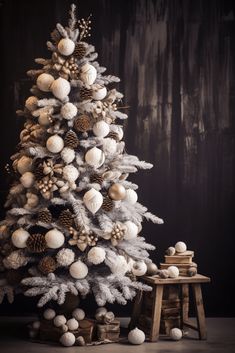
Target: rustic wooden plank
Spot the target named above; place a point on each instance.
(184, 303)
(201, 321)
(195, 279)
(156, 316)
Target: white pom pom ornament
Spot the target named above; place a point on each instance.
(49, 314)
(78, 314)
(55, 144)
(59, 320)
(44, 82)
(131, 196)
(180, 246)
(96, 255)
(78, 270)
(88, 74)
(67, 154)
(72, 324)
(54, 239)
(139, 268)
(136, 336)
(27, 179)
(24, 164)
(109, 146)
(176, 334)
(66, 46)
(101, 129)
(65, 257)
(99, 92)
(68, 111)
(95, 157)
(93, 200)
(67, 339)
(131, 230)
(60, 88)
(70, 173)
(119, 265)
(19, 238)
(31, 103)
(173, 271)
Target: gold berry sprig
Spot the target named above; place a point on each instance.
(85, 27)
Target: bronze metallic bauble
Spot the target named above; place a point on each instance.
(152, 269)
(117, 192)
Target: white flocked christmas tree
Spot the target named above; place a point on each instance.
(73, 222)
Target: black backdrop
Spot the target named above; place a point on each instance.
(176, 62)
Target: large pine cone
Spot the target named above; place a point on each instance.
(79, 51)
(82, 123)
(96, 178)
(45, 216)
(36, 243)
(47, 265)
(113, 135)
(66, 218)
(71, 139)
(107, 204)
(38, 173)
(85, 93)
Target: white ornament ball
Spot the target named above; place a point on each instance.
(31, 103)
(131, 196)
(72, 324)
(95, 157)
(59, 320)
(78, 270)
(109, 146)
(119, 265)
(55, 144)
(139, 268)
(49, 314)
(66, 46)
(131, 230)
(64, 328)
(65, 257)
(24, 164)
(136, 336)
(176, 334)
(43, 119)
(173, 271)
(96, 255)
(67, 154)
(180, 246)
(78, 314)
(67, 339)
(19, 238)
(32, 200)
(44, 82)
(68, 111)
(118, 129)
(93, 200)
(27, 179)
(88, 74)
(60, 88)
(54, 239)
(36, 325)
(101, 129)
(70, 173)
(99, 92)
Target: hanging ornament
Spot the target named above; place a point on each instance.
(60, 88)
(152, 269)
(116, 235)
(109, 145)
(78, 270)
(68, 111)
(32, 200)
(79, 51)
(95, 157)
(68, 155)
(96, 178)
(27, 179)
(101, 129)
(117, 192)
(44, 216)
(88, 74)
(70, 173)
(31, 103)
(65, 257)
(180, 247)
(19, 238)
(99, 92)
(54, 239)
(119, 265)
(24, 164)
(66, 46)
(45, 119)
(44, 82)
(131, 230)
(82, 123)
(66, 218)
(55, 144)
(96, 255)
(131, 196)
(85, 94)
(36, 243)
(139, 268)
(83, 238)
(118, 130)
(93, 200)
(47, 265)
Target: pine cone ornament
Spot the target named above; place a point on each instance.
(107, 204)
(96, 178)
(66, 218)
(47, 265)
(82, 123)
(45, 216)
(36, 243)
(85, 93)
(113, 135)
(38, 173)
(71, 139)
(79, 51)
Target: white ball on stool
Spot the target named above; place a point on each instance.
(55, 144)
(176, 334)
(139, 268)
(173, 271)
(78, 314)
(60, 88)
(44, 82)
(180, 246)
(49, 314)
(136, 336)
(67, 339)
(59, 320)
(66, 46)
(68, 111)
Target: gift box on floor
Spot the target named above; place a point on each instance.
(109, 332)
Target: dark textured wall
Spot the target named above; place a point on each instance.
(176, 62)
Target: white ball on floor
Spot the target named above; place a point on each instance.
(139, 268)
(66, 46)
(96, 255)
(27, 179)
(19, 238)
(72, 324)
(55, 144)
(173, 271)
(131, 196)
(36, 325)
(78, 314)
(49, 314)
(78, 270)
(54, 239)
(136, 336)
(101, 129)
(176, 334)
(44, 82)
(67, 339)
(180, 246)
(59, 320)
(131, 230)
(68, 111)
(60, 88)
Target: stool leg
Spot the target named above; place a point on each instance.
(201, 321)
(184, 303)
(156, 314)
(136, 310)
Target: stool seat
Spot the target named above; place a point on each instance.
(184, 283)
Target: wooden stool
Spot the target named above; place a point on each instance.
(158, 287)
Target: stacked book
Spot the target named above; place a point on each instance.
(183, 260)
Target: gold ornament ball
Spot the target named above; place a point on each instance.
(117, 192)
(152, 269)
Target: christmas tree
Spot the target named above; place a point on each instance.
(73, 222)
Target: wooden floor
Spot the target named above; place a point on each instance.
(221, 339)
